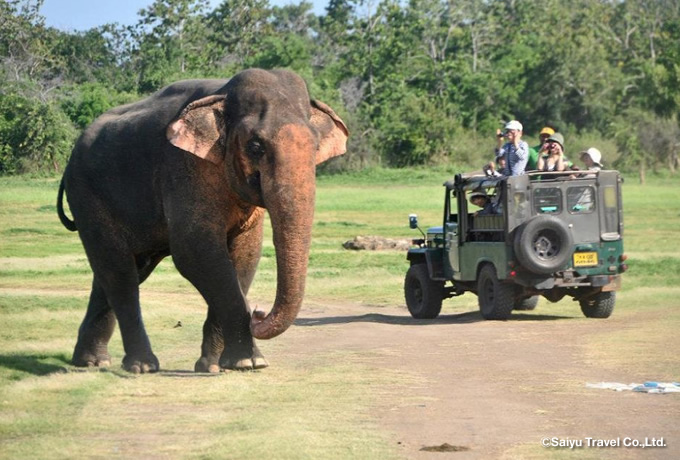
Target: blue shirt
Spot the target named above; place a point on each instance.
(515, 158)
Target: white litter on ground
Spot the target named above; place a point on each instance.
(647, 387)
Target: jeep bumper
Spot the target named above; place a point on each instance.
(569, 280)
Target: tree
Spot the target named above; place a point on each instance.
(237, 29)
(171, 37)
(34, 135)
(288, 42)
(85, 102)
(25, 45)
(89, 56)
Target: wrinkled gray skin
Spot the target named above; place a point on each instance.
(187, 172)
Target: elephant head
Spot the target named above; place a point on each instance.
(268, 136)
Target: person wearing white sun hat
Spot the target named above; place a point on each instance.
(592, 159)
(515, 150)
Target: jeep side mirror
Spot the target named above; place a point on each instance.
(413, 221)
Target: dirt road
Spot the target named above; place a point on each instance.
(493, 389)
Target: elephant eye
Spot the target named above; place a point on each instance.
(255, 148)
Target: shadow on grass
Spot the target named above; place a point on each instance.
(458, 318)
(535, 317)
(43, 364)
(40, 364)
(470, 317)
(187, 373)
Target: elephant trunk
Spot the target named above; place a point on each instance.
(289, 196)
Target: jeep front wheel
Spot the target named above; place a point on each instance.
(496, 299)
(601, 305)
(423, 295)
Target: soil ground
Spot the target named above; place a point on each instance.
(473, 389)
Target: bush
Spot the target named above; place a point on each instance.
(414, 130)
(646, 141)
(86, 102)
(35, 136)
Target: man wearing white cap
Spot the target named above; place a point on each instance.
(515, 150)
(592, 159)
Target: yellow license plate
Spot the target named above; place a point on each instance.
(585, 259)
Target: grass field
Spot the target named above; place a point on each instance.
(50, 409)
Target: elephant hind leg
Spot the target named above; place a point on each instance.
(212, 346)
(117, 276)
(122, 293)
(95, 332)
(100, 321)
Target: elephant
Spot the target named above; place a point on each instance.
(188, 172)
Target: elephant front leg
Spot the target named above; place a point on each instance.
(245, 248)
(237, 354)
(227, 342)
(240, 351)
(222, 276)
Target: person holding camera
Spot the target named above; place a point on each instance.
(546, 132)
(551, 156)
(492, 168)
(515, 150)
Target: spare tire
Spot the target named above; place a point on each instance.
(543, 245)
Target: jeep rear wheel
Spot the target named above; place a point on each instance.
(496, 299)
(543, 245)
(527, 304)
(601, 305)
(423, 295)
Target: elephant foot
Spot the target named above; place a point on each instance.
(98, 358)
(147, 363)
(242, 359)
(205, 364)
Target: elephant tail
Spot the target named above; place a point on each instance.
(66, 222)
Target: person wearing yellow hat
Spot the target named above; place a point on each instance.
(545, 133)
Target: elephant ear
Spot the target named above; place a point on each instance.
(199, 129)
(333, 131)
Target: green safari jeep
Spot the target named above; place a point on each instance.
(549, 234)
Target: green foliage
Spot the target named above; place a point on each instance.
(290, 51)
(420, 82)
(34, 135)
(236, 29)
(87, 101)
(416, 131)
(647, 141)
(171, 40)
